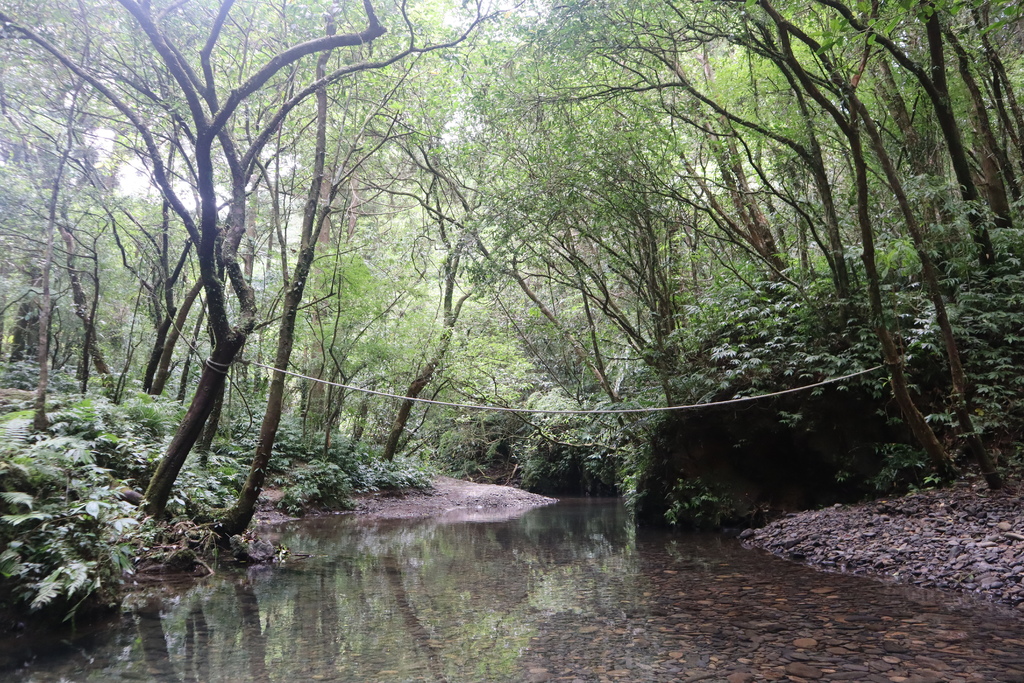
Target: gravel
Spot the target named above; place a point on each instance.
(964, 538)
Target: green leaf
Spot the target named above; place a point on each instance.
(17, 498)
(121, 523)
(10, 563)
(93, 508)
(15, 520)
(48, 589)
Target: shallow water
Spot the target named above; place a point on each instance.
(568, 592)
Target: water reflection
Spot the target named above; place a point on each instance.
(567, 592)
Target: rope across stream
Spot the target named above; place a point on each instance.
(541, 411)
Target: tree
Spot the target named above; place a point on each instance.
(198, 111)
(324, 186)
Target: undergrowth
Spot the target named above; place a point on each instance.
(68, 534)
(313, 477)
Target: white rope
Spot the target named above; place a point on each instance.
(214, 365)
(538, 411)
(217, 367)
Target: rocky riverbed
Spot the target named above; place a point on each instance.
(964, 538)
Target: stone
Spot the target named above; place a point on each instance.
(261, 551)
(804, 670)
(805, 643)
(932, 663)
(925, 677)
(950, 538)
(740, 677)
(239, 548)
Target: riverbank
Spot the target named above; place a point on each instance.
(449, 498)
(446, 498)
(965, 538)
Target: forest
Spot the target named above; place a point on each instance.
(722, 259)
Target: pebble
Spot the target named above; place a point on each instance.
(742, 619)
(942, 539)
(803, 670)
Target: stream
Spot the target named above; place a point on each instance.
(570, 592)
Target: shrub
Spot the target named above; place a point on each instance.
(64, 528)
(25, 375)
(699, 504)
(348, 467)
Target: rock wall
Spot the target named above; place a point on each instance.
(787, 453)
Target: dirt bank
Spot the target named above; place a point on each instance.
(451, 498)
(964, 538)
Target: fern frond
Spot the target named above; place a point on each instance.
(18, 430)
(15, 520)
(18, 498)
(10, 563)
(77, 576)
(48, 589)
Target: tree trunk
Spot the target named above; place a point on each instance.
(402, 417)
(186, 366)
(1007, 108)
(961, 405)
(85, 311)
(25, 335)
(211, 382)
(593, 364)
(425, 375)
(362, 413)
(893, 359)
(163, 369)
(939, 93)
(236, 520)
(933, 80)
(39, 420)
(212, 425)
(157, 351)
(991, 153)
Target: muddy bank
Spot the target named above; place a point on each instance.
(965, 538)
(447, 497)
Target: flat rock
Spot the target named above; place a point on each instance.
(804, 670)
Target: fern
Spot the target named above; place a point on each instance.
(10, 563)
(77, 574)
(48, 589)
(15, 520)
(17, 498)
(17, 429)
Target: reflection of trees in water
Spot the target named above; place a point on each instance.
(253, 641)
(490, 602)
(197, 645)
(153, 640)
(459, 601)
(443, 602)
(417, 630)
